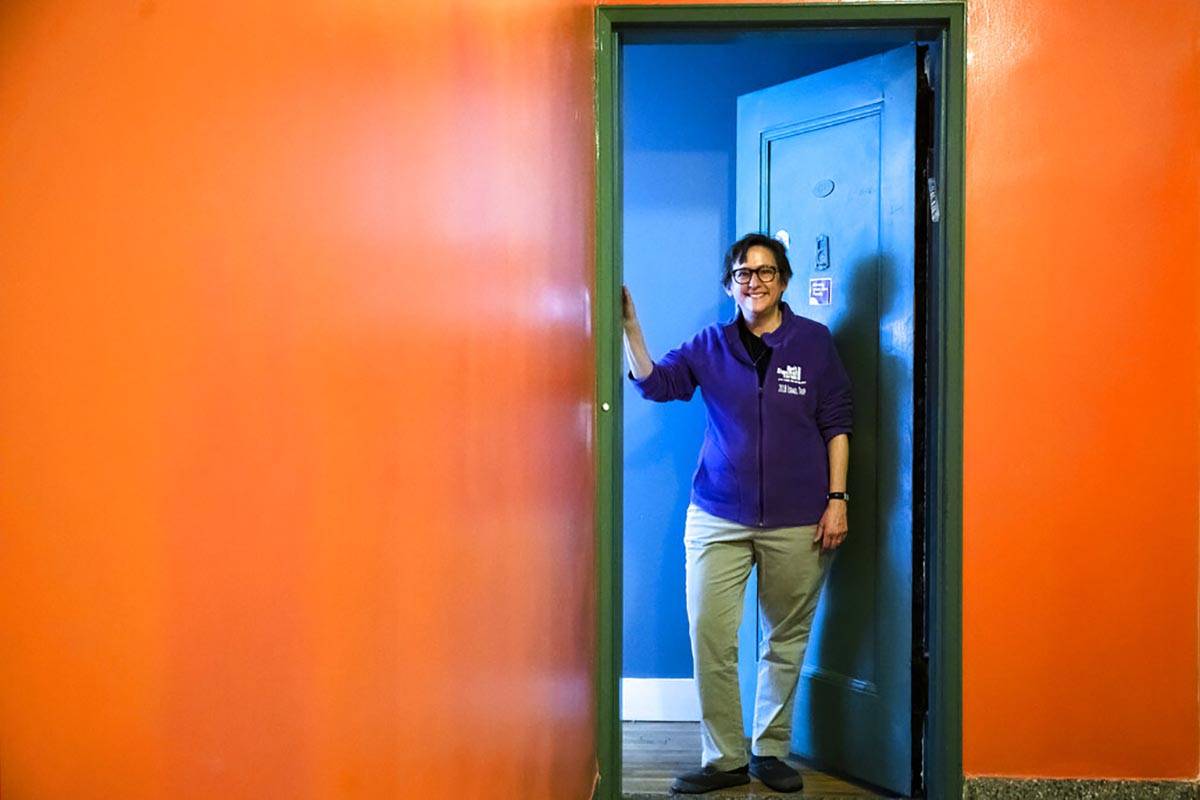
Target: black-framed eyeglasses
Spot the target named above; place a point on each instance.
(765, 274)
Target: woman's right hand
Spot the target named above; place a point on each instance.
(628, 312)
(640, 364)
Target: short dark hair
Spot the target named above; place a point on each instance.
(737, 255)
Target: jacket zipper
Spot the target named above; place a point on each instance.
(760, 456)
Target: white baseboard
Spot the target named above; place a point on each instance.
(659, 700)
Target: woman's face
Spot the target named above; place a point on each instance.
(756, 297)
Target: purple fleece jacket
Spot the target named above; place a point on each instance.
(764, 460)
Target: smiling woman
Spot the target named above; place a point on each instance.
(754, 263)
(769, 490)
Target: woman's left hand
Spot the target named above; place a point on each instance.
(832, 528)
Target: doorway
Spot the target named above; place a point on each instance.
(778, 59)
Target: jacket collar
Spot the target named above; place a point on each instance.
(772, 339)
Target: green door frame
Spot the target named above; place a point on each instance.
(943, 745)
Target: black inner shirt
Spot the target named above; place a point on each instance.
(758, 351)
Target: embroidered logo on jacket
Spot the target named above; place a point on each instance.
(790, 380)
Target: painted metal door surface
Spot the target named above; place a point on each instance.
(829, 158)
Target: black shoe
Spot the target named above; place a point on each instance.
(775, 774)
(709, 778)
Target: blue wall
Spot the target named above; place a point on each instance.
(679, 126)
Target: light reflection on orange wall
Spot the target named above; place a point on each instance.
(297, 495)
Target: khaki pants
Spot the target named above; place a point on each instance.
(791, 571)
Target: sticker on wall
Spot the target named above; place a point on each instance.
(820, 291)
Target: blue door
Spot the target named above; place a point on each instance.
(829, 159)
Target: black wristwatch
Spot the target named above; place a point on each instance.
(845, 496)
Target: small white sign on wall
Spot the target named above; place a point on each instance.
(820, 291)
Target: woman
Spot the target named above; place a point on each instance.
(770, 488)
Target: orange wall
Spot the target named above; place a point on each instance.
(1081, 476)
(283, 517)
(296, 490)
